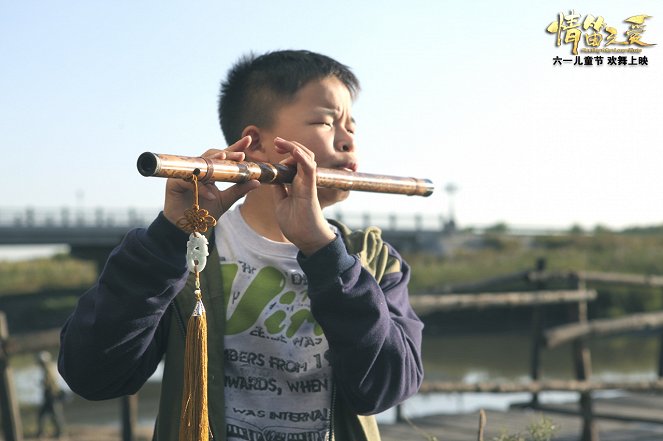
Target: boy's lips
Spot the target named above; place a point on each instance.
(347, 166)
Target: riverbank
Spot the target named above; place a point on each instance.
(44, 291)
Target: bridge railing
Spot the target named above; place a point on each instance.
(67, 217)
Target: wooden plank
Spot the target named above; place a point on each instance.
(425, 303)
(647, 321)
(33, 342)
(539, 386)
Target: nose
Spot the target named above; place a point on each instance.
(344, 141)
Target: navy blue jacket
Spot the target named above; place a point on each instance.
(116, 336)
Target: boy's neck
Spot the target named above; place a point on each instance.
(258, 212)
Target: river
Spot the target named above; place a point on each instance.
(468, 358)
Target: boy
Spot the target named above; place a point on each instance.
(309, 324)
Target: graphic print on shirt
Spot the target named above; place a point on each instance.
(266, 288)
(277, 376)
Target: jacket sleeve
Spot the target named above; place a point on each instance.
(115, 338)
(374, 335)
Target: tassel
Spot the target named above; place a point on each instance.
(194, 423)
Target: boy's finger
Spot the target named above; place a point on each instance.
(240, 145)
(289, 146)
(283, 145)
(235, 156)
(306, 157)
(211, 153)
(288, 161)
(305, 150)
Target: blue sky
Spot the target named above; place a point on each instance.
(462, 92)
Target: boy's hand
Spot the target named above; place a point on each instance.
(179, 193)
(298, 210)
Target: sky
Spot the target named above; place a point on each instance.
(456, 92)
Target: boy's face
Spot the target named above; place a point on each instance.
(320, 118)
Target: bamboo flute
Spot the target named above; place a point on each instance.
(216, 170)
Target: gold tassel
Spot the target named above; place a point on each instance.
(194, 423)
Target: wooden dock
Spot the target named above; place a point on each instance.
(633, 417)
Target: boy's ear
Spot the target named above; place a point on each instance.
(255, 151)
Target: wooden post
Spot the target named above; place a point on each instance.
(537, 333)
(129, 417)
(583, 370)
(12, 428)
(399, 413)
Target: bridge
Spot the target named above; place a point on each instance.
(92, 232)
(74, 227)
(89, 233)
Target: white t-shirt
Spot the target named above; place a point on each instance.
(278, 381)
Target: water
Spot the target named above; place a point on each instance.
(507, 357)
(468, 358)
(500, 357)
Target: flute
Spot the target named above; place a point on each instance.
(217, 170)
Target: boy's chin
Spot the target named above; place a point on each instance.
(331, 196)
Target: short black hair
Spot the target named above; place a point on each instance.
(256, 86)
